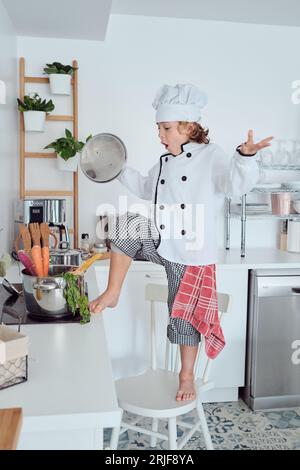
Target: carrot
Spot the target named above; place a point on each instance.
(27, 262)
(36, 255)
(45, 253)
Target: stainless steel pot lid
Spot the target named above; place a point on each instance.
(103, 157)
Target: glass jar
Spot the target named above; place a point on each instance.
(85, 242)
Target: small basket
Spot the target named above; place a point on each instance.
(13, 354)
(13, 372)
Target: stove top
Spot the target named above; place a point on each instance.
(18, 305)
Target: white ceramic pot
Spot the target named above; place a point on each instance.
(60, 84)
(67, 165)
(34, 121)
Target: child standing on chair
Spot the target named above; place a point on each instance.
(187, 187)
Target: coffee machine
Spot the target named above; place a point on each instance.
(51, 211)
(40, 210)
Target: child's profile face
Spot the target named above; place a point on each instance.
(170, 136)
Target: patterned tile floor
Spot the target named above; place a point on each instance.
(233, 426)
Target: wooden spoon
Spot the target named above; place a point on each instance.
(36, 250)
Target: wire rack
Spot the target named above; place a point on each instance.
(13, 372)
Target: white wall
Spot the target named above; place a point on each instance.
(247, 71)
(9, 178)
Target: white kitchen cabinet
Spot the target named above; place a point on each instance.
(127, 326)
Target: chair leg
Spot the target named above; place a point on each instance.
(114, 438)
(205, 430)
(172, 428)
(154, 428)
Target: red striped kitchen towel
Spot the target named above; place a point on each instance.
(197, 302)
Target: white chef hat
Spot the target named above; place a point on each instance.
(182, 102)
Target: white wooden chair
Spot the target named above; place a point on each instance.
(152, 394)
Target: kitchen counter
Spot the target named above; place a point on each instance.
(70, 395)
(256, 258)
(262, 258)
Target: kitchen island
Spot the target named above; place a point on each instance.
(70, 395)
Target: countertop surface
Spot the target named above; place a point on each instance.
(69, 374)
(256, 258)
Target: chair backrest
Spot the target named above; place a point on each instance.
(159, 293)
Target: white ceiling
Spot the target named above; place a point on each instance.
(88, 19)
(75, 19)
(272, 12)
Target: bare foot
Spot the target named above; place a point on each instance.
(186, 390)
(107, 299)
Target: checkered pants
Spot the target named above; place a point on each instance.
(137, 237)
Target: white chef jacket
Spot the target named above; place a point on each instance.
(188, 193)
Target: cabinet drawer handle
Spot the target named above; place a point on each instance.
(157, 276)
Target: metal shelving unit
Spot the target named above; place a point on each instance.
(243, 215)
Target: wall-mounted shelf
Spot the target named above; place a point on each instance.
(45, 193)
(24, 154)
(277, 190)
(39, 155)
(279, 167)
(265, 215)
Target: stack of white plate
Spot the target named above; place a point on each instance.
(268, 186)
(252, 208)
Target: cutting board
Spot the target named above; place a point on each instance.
(10, 427)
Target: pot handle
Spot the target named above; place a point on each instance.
(51, 234)
(45, 285)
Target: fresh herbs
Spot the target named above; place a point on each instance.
(33, 102)
(75, 299)
(67, 147)
(57, 67)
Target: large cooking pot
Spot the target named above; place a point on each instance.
(65, 257)
(44, 296)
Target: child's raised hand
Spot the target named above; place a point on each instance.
(250, 148)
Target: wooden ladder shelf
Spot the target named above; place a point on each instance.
(24, 154)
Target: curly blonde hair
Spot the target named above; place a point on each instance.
(195, 132)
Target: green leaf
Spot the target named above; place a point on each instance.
(68, 133)
(57, 67)
(34, 102)
(67, 147)
(50, 146)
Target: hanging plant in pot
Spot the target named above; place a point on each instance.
(67, 149)
(60, 77)
(35, 110)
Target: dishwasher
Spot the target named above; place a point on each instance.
(273, 339)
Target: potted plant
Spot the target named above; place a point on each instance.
(67, 149)
(59, 77)
(34, 109)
